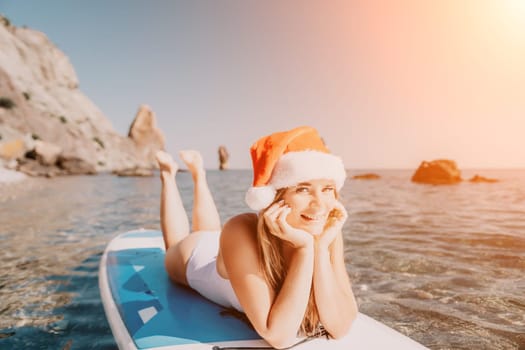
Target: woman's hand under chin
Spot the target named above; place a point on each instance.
(333, 226)
(275, 219)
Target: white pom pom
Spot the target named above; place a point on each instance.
(259, 198)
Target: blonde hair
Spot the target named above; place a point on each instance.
(273, 266)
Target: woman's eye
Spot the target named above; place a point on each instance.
(328, 189)
(301, 189)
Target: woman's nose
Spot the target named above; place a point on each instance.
(315, 201)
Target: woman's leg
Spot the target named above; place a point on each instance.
(205, 215)
(173, 218)
(174, 221)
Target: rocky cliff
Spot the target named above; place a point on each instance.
(40, 100)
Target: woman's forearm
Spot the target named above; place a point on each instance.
(333, 295)
(289, 306)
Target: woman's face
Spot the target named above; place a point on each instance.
(310, 204)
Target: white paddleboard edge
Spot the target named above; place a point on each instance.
(119, 330)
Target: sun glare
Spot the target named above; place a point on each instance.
(514, 15)
(515, 6)
(506, 18)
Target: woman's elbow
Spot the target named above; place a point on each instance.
(344, 327)
(279, 340)
(341, 332)
(281, 343)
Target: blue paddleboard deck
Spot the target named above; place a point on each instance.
(146, 310)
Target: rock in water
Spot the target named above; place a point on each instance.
(72, 165)
(477, 178)
(145, 134)
(367, 176)
(224, 156)
(437, 172)
(134, 172)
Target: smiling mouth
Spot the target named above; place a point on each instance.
(312, 218)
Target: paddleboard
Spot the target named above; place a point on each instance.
(145, 310)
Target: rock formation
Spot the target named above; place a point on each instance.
(40, 100)
(477, 178)
(437, 172)
(148, 139)
(144, 132)
(224, 156)
(367, 176)
(136, 171)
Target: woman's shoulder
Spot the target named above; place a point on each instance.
(242, 221)
(242, 226)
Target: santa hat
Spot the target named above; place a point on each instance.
(284, 159)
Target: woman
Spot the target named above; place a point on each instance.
(283, 267)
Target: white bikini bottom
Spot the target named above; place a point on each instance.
(202, 275)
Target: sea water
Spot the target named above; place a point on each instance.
(444, 265)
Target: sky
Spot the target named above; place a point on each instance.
(388, 84)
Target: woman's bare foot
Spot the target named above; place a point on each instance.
(166, 163)
(193, 161)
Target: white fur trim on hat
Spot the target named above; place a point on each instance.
(296, 167)
(260, 197)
